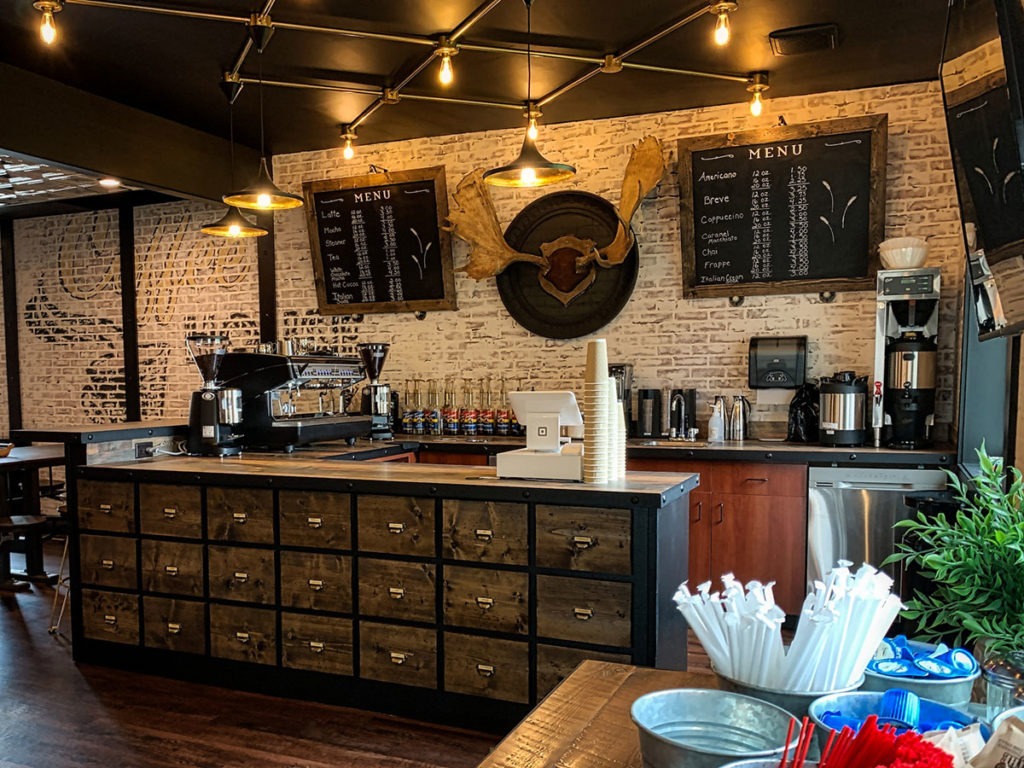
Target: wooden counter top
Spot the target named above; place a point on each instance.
(585, 722)
(653, 489)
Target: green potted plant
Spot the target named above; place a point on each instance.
(975, 560)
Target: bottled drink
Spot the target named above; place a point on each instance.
(450, 411)
(501, 412)
(417, 409)
(407, 410)
(485, 425)
(433, 422)
(469, 417)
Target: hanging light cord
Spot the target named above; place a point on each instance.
(529, 53)
(263, 145)
(231, 140)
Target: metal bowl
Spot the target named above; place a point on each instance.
(5, 449)
(956, 691)
(1017, 712)
(702, 728)
(793, 702)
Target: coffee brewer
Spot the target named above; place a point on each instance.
(376, 396)
(623, 375)
(906, 326)
(215, 410)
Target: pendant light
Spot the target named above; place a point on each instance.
(47, 28)
(757, 85)
(531, 168)
(262, 194)
(233, 224)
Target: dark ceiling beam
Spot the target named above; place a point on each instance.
(131, 198)
(68, 127)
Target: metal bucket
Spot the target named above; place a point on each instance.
(701, 728)
(794, 703)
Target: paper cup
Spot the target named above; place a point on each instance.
(597, 360)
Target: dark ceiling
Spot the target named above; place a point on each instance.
(171, 66)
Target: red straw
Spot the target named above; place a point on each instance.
(785, 746)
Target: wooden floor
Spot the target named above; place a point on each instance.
(54, 713)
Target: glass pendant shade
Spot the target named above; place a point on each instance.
(530, 169)
(234, 224)
(263, 194)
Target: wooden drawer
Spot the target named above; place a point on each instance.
(240, 514)
(243, 634)
(316, 519)
(175, 625)
(583, 539)
(316, 581)
(396, 525)
(486, 599)
(105, 506)
(108, 561)
(173, 567)
(170, 510)
(554, 664)
(752, 479)
(398, 590)
(584, 611)
(405, 655)
(317, 643)
(110, 616)
(485, 531)
(484, 666)
(242, 573)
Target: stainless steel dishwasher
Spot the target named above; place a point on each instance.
(851, 513)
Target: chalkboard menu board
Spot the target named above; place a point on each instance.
(787, 209)
(378, 243)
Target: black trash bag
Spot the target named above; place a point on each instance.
(803, 414)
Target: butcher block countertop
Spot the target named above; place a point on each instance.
(314, 469)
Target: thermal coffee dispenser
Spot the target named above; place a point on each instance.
(215, 410)
(906, 326)
(623, 375)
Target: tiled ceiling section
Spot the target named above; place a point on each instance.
(23, 180)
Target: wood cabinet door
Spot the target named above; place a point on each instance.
(240, 514)
(108, 561)
(427, 456)
(317, 519)
(316, 581)
(585, 611)
(486, 598)
(174, 625)
(397, 525)
(762, 538)
(106, 506)
(405, 655)
(700, 540)
(110, 616)
(751, 478)
(584, 539)
(485, 666)
(485, 531)
(242, 573)
(317, 643)
(172, 567)
(243, 633)
(397, 589)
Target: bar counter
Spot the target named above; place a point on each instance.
(443, 593)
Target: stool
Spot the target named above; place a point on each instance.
(12, 529)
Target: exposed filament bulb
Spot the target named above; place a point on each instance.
(722, 29)
(447, 73)
(532, 131)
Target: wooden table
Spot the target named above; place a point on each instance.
(585, 723)
(27, 461)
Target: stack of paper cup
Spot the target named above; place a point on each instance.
(614, 471)
(597, 428)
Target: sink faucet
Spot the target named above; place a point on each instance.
(677, 418)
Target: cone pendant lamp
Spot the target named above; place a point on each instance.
(531, 168)
(263, 194)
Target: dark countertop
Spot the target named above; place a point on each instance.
(316, 469)
(100, 433)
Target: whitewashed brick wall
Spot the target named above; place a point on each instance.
(671, 340)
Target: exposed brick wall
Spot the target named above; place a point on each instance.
(671, 340)
(71, 356)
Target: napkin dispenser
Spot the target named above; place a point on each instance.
(777, 362)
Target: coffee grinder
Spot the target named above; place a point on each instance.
(906, 326)
(376, 396)
(214, 410)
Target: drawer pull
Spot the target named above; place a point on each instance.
(700, 509)
(317, 585)
(315, 522)
(107, 565)
(173, 628)
(721, 512)
(484, 534)
(486, 603)
(485, 670)
(170, 512)
(242, 637)
(583, 614)
(241, 576)
(396, 527)
(582, 542)
(171, 570)
(316, 646)
(106, 509)
(240, 517)
(396, 593)
(756, 480)
(110, 619)
(398, 657)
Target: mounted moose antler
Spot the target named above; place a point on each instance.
(475, 221)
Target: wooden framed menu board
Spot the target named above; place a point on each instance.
(378, 243)
(787, 209)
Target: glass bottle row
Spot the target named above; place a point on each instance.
(457, 407)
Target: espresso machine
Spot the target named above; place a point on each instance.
(906, 327)
(376, 396)
(215, 410)
(289, 400)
